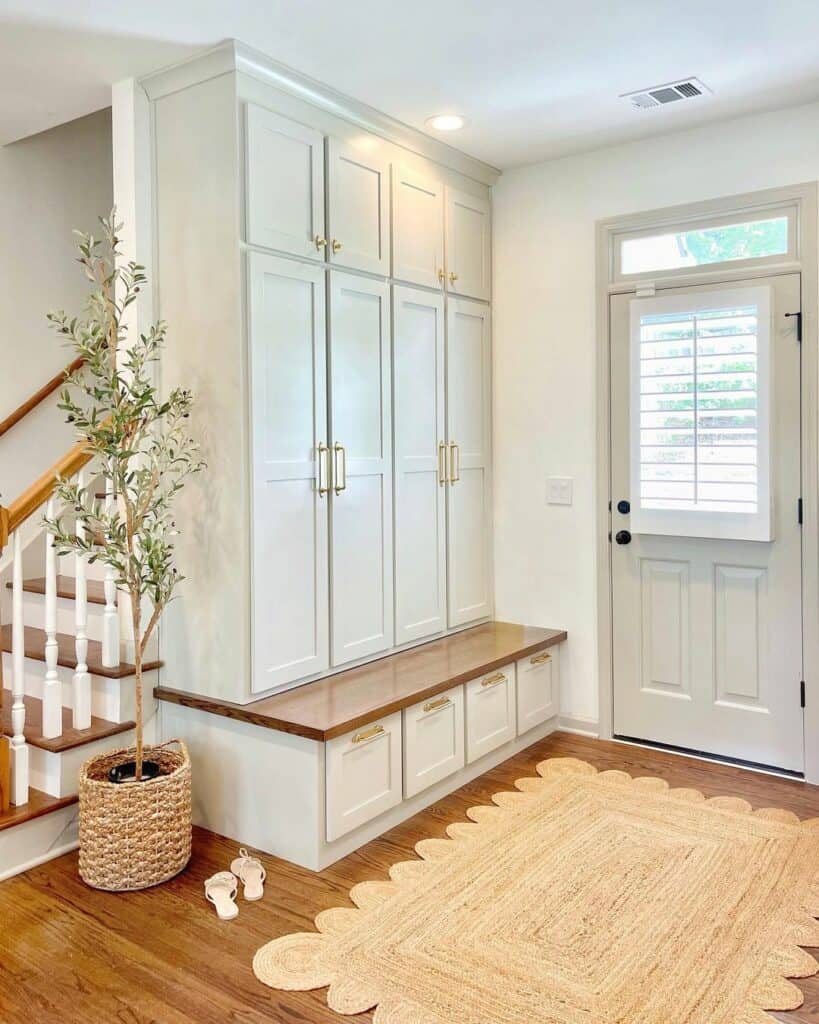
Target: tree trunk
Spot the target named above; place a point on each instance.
(136, 619)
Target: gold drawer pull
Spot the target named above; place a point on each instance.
(539, 659)
(433, 705)
(498, 677)
(368, 734)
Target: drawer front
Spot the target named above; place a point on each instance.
(490, 712)
(433, 740)
(538, 688)
(363, 775)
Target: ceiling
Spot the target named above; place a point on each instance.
(535, 78)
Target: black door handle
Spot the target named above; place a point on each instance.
(623, 537)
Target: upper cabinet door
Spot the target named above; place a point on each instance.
(285, 184)
(358, 209)
(468, 491)
(420, 464)
(290, 469)
(417, 228)
(360, 439)
(468, 259)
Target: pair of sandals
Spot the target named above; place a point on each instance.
(221, 888)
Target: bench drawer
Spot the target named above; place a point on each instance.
(363, 773)
(538, 688)
(490, 712)
(433, 740)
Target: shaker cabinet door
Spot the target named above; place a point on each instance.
(358, 228)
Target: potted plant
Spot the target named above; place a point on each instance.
(135, 804)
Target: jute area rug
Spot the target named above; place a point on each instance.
(583, 898)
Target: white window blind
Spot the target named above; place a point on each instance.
(700, 414)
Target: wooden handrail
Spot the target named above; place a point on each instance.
(41, 490)
(40, 396)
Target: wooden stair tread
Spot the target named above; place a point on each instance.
(34, 645)
(39, 803)
(100, 728)
(66, 587)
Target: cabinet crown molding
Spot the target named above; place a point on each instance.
(234, 56)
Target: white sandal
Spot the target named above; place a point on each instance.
(220, 890)
(250, 871)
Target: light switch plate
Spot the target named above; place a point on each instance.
(559, 490)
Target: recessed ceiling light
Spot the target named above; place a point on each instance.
(446, 122)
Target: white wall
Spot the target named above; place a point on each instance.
(50, 184)
(544, 346)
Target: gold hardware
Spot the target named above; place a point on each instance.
(337, 246)
(442, 463)
(539, 659)
(319, 242)
(433, 705)
(441, 275)
(454, 462)
(453, 277)
(368, 734)
(497, 677)
(323, 469)
(341, 478)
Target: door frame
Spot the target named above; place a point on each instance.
(803, 261)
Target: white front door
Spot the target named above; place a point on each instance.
(706, 540)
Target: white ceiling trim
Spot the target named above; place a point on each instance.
(233, 56)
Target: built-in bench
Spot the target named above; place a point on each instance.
(315, 772)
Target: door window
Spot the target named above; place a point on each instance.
(700, 414)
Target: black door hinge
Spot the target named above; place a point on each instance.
(801, 693)
(799, 511)
(798, 325)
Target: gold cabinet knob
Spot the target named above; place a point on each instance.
(337, 246)
(320, 242)
(441, 275)
(453, 277)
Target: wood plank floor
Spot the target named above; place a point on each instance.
(71, 955)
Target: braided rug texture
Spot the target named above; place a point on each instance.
(583, 898)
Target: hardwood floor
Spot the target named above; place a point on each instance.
(73, 955)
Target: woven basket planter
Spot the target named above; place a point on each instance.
(135, 834)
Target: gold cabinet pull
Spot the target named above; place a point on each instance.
(539, 659)
(442, 463)
(453, 277)
(340, 477)
(323, 469)
(496, 677)
(433, 705)
(337, 246)
(454, 462)
(368, 734)
(441, 275)
(319, 242)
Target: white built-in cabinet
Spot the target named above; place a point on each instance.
(442, 465)
(358, 209)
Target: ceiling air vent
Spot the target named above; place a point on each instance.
(659, 95)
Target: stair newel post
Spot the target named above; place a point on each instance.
(19, 748)
(52, 687)
(82, 680)
(110, 620)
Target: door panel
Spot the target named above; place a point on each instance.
(707, 635)
(420, 498)
(290, 557)
(417, 228)
(285, 184)
(468, 491)
(467, 244)
(361, 513)
(358, 208)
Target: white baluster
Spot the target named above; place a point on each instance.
(110, 620)
(19, 748)
(52, 688)
(82, 680)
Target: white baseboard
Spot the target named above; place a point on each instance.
(580, 725)
(34, 842)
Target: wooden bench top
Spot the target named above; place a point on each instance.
(333, 706)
